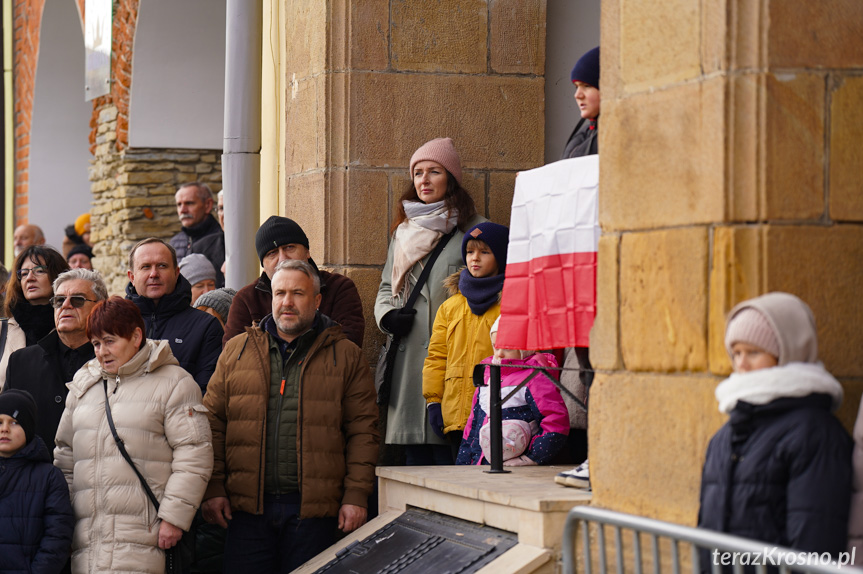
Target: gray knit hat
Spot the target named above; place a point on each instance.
(218, 300)
(196, 268)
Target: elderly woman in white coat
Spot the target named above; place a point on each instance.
(434, 205)
(157, 411)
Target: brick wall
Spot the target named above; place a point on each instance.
(133, 194)
(27, 18)
(122, 42)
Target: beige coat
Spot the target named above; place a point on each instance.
(15, 339)
(157, 410)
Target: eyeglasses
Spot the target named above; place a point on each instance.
(38, 271)
(77, 301)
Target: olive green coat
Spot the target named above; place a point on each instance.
(406, 416)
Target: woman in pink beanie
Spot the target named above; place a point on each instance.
(779, 471)
(433, 207)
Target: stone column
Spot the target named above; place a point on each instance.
(730, 167)
(369, 81)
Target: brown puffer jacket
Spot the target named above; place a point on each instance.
(337, 434)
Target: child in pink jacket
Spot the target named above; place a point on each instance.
(535, 419)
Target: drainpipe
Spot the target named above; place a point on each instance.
(241, 154)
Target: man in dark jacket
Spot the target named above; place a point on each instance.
(294, 456)
(280, 239)
(164, 298)
(44, 369)
(201, 232)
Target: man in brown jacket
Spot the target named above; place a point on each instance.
(294, 420)
(280, 239)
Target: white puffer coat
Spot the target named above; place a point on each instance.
(157, 410)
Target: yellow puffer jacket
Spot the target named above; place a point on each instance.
(459, 341)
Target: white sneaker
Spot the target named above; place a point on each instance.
(578, 477)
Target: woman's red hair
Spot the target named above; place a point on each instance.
(116, 316)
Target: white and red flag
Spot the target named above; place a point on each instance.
(549, 294)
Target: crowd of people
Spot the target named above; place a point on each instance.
(243, 427)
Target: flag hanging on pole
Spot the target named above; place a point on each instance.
(549, 294)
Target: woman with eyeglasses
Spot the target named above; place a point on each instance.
(27, 305)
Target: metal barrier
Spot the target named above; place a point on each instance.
(726, 551)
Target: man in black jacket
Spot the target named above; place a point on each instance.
(164, 298)
(201, 232)
(44, 369)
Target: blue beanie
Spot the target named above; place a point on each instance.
(494, 235)
(587, 69)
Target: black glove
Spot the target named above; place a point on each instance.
(436, 418)
(399, 321)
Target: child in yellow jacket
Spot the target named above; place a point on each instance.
(459, 338)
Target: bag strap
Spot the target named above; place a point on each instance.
(415, 292)
(4, 330)
(122, 448)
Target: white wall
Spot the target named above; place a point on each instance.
(59, 146)
(572, 28)
(178, 75)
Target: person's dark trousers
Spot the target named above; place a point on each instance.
(276, 541)
(577, 440)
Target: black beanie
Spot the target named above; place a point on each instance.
(80, 248)
(494, 235)
(587, 69)
(20, 406)
(277, 231)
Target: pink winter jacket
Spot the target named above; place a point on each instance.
(539, 400)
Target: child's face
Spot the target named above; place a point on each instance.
(503, 353)
(480, 260)
(12, 437)
(588, 100)
(746, 358)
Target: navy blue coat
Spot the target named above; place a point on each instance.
(195, 337)
(780, 473)
(36, 519)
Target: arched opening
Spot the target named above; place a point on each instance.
(59, 146)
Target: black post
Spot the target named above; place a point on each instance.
(495, 422)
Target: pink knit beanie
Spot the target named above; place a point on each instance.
(750, 326)
(441, 150)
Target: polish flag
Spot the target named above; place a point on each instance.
(549, 294)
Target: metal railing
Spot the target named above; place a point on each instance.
(726, 552)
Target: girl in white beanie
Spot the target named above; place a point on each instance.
(779, 471)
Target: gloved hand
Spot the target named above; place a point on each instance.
(436, 418)
(522, 460)
(399, 321)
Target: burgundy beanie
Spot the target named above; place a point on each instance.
(587, 69)
(441, 150)
(494, 235)
(750, 326)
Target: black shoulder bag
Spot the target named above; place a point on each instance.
(387, 354)
(173, 556)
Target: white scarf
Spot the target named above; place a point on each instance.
(766, 385)
(416, 236)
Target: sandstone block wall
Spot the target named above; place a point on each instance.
(372, 80)
(730, 167)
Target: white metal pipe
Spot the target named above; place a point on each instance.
(241, 154)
